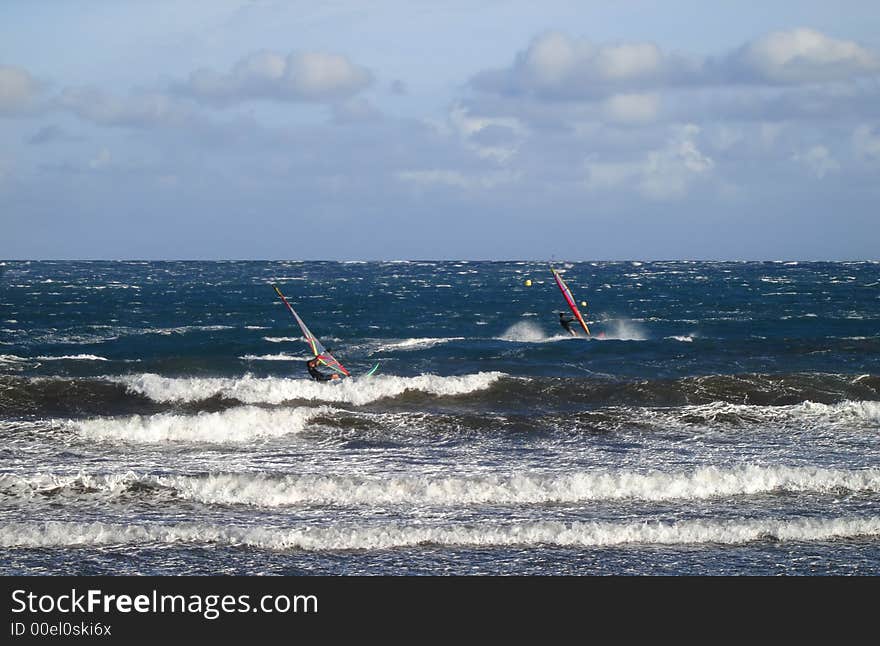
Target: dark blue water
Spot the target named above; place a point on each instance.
(722, 419)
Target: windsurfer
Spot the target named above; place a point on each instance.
(566, 323)
(317, 375)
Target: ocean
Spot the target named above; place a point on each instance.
(157, 418)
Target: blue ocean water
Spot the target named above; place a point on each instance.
(157, 418)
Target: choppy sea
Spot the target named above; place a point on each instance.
(157, 418)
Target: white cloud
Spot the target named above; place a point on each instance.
(628, 61)
(308, 76)
(669, 172)
(557, 67)
(662, 174)
(495, 138)
(818, 161)
(18, 90)
(467, 124)
(632, 108)
(551, 58)
(140, 110)
(806, 56)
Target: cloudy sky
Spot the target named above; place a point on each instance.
(480, 130)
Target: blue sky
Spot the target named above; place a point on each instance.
(491, 130)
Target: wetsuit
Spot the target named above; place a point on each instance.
(564, 322)
(316, 374)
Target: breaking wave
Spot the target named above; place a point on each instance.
(399, 535)
(240, 424)
(274, 390)
(267, 490)
(148, 392)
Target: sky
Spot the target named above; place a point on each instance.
(578, 130)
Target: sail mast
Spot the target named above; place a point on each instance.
(566, 292)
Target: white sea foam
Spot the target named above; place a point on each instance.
(184, 329)
(862, 410)
(416, 343)
(74, 357)
(99, 287)
(268, 490)
(275, 390)
(282, 339)
(281, 356)
(241, 424)
(530, 332)
(683, 339)
(113, 333)
(397, 535)
(769, 279)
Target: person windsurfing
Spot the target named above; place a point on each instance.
(320, 353)
(566, 323)
(317, 375)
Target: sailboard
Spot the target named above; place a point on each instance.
(370, 371)
(566, 292)
(318, 350)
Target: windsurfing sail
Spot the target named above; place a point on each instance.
(317, 349)
(566, 292)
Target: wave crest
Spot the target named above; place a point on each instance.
(275, 390)
(240, 424)
(269, 490)
(397, 535)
